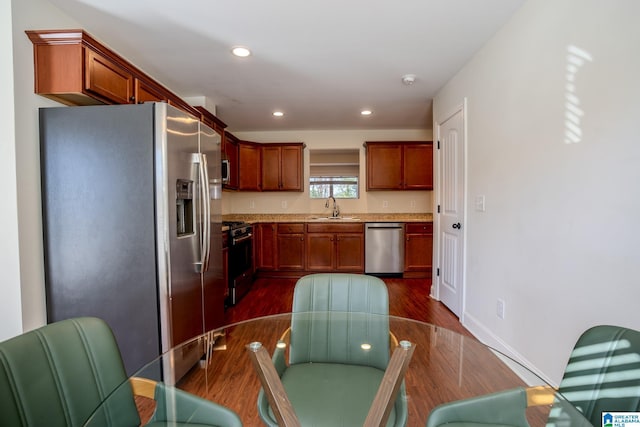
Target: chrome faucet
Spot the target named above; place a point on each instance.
(336, 210)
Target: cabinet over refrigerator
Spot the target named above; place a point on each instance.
(129, 193)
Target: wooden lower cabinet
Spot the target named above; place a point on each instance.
(294, 249)
(350, 252)
(335, 247)
(418, 250)
(265, 246)
(290, 254)
(320, 251)
(279, 247)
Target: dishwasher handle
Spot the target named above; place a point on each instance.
(384, 226)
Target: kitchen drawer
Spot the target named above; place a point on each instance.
(290, 228)
(335, 228)
(419, 227)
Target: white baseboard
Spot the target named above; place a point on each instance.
(514, 360)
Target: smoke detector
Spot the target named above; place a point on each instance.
(408, 79)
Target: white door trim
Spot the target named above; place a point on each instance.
(435, 288)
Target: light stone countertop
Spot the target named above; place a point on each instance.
(346, 218)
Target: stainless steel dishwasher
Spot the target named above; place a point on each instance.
(384, 247)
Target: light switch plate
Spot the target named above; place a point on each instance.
(500, 308)
(480, 203)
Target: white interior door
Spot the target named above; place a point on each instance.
(451, 210)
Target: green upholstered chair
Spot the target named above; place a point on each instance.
(329, 379)
(60, 374)
(602, 375)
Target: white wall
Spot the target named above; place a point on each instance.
(11, 321)
(29, 309)
(559, 238)
(297, 203)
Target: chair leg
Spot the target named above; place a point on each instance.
(273, 388)
(390, 385)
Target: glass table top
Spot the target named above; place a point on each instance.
(446, 366)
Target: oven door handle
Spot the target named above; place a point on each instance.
(241, 239)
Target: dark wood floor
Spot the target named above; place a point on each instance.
(447, 365)
(408, 298)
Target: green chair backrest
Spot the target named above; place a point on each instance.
(356, 308)
(59, 374)
(603, 373)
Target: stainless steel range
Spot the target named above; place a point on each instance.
(240, 259)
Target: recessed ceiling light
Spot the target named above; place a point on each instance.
(366, 112)
(241, 51)
(278, 113)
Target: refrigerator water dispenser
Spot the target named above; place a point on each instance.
(184, 206)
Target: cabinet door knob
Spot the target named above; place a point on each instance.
(132, 98)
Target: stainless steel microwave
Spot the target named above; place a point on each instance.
(226, 171)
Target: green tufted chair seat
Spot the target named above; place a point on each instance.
(329, 379)
(63, 373)
(332, 394)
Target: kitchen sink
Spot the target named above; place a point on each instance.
(334, 218)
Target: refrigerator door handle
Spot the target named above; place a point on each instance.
(206, 213)
(198, 159)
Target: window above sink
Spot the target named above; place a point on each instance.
(334, 173)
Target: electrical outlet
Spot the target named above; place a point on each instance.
(385, 204)
(500, 309)
(252, 204)
(412, 203)
(284, 204)
(480, 203)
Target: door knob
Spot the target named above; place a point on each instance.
(457, 225)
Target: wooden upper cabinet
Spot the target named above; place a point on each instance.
(418, 166)
(208, 118)
(291, 174)
(400, 165)
(107, 79)
(73, 68)
(250, 166)
(384, 166)
(270, 167)
(148, 92)
(282, 167)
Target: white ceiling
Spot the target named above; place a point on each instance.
(320, 62)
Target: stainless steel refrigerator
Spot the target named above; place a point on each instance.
(130, 197)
